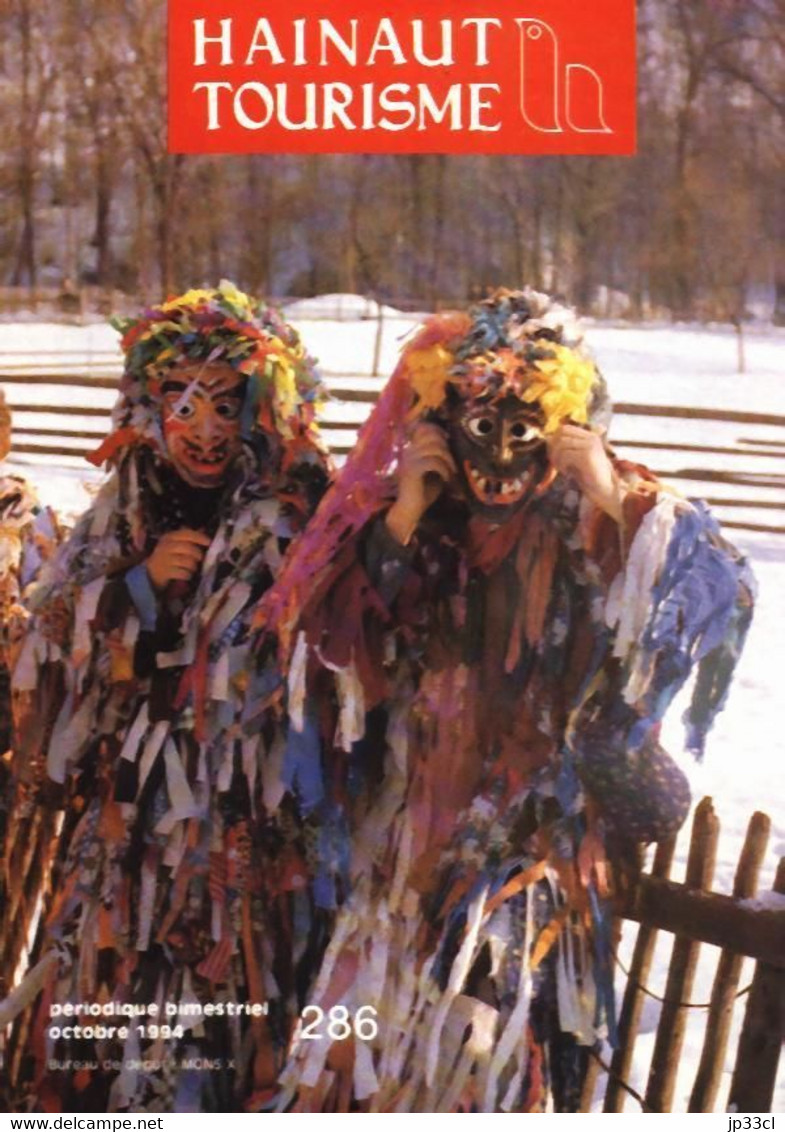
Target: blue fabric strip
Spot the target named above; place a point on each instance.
(302, 764)
(143, 596)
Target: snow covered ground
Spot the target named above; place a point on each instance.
(744, 767)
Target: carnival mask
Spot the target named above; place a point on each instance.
(500, 450)
(201, 421)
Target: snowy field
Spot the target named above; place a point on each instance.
(744, 767)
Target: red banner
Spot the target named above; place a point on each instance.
(447, 76)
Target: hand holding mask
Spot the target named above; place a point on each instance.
(579, 453)
(426, 466)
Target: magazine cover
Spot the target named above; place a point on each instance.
(391, 523)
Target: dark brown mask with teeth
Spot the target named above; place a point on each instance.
(500, 450)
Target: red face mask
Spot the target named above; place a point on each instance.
(201, 421)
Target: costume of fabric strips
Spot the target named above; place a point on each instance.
(132, 673)
(29, 536)
(474, 721)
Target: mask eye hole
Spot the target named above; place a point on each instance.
(523, 431)
(181, 412)
(228, 410)
(481, 427)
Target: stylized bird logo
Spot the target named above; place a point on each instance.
(581, 83)
(542, 100)
(539, 62)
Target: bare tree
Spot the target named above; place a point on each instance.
(28, 26)
(129, 41)
(694, 217)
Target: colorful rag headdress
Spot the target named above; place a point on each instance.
(224, 325)
(515, 341)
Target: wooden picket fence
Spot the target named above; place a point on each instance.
(694, 915)
(55, 424)
(740, 926)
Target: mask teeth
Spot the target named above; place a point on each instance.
(495, 488)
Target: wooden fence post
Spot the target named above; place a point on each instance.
(726, 980)
(377, 345)
(728, 972)
(634, 994)
(684, 960)
(762, 1035)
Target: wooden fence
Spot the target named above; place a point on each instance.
(694, 915)
(740, 926)
(744, 497)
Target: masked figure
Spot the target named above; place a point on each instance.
(29, 535)
(136, 659)
(485, 621)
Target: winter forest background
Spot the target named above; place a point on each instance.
(690, 228)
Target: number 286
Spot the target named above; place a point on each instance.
(337, 1024)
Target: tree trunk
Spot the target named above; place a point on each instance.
(103, 205)
(25, 267)
(416, 226)
(258, 223)
(25, 271)
(166, 188)
(437, 227)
